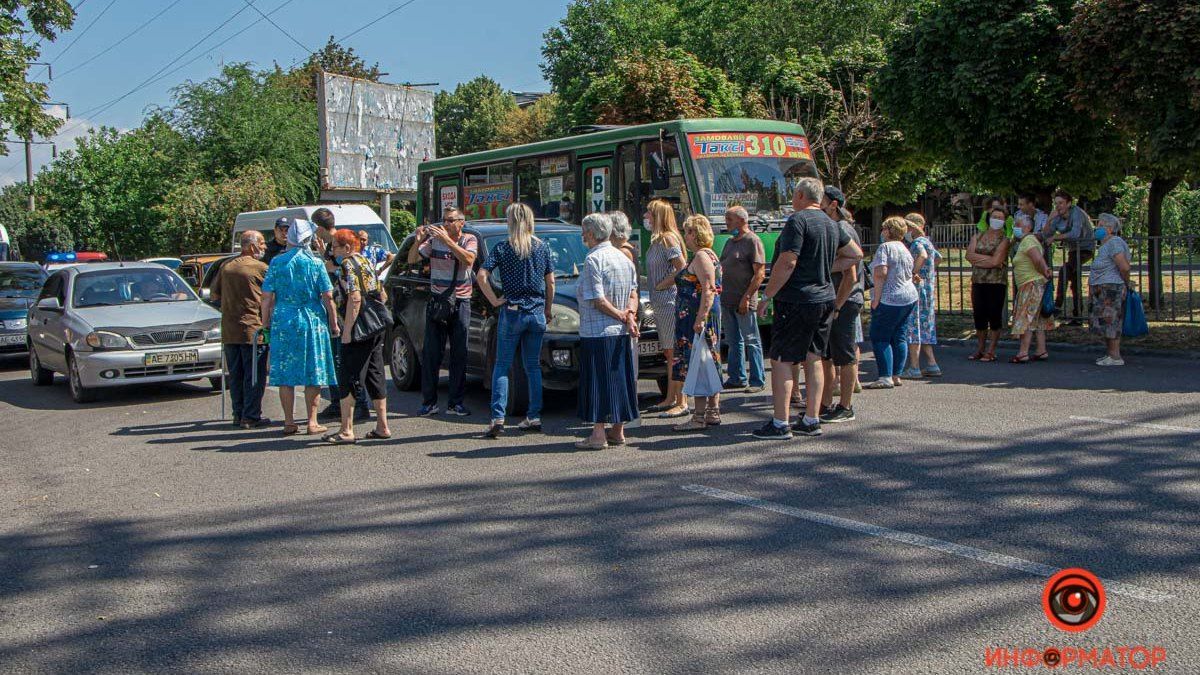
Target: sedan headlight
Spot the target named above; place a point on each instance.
(563, 320)
(16, 324)
(648, 317)
(213, 334)
(104, 340)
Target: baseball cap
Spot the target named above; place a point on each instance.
(283, 222)
(835, 195)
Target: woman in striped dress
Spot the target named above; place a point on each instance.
(664, 259)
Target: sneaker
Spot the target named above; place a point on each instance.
(912, 373)
(838, 413)
(932, 371)
(730, 384)
(879, 384)
(771, 432)
(495, 430)
(533, 425)
(806, 429)
(756, 388)
(1110, 361)
(429, 410)
(255, 424)
(857, 387)
(459, 410)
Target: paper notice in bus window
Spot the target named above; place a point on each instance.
(719, 201)
(741, 144)
(553, 165)
(449, 195)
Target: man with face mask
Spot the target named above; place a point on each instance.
(237, 290)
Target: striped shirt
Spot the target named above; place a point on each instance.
(441, 265)
(659, 267)
(607, 274)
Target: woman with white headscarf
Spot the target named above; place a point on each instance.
(298, 308)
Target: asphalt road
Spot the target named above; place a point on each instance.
(141, 534)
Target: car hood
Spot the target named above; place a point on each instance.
(149, 314)
(14, 308)
(566, 289)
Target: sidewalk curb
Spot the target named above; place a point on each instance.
(1072, 348)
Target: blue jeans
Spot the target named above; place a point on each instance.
(742, 339)
(245, 386)
(524, 329)
(888, 339)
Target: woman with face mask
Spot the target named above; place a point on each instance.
(1108, 283)
(1031, 272)
(988, 254)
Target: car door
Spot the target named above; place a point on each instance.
(408, 289)
(46, 330)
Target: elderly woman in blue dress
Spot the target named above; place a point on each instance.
(608, 307)
(297, 306)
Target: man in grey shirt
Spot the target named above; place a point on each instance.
(743, 268)
(1070, 225)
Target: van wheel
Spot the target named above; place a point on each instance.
(80, 393)
(41, 377)
(406, 370)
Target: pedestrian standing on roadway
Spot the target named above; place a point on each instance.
(5, 244)
(1030, 272)
(297, 304)
(326, 224)
(237, 290)
(833, 203)
(893, 299)
(607, 321)
(621, 232)
(1109, 285)
(451, 254)
(698, 316)
(801, 286)
(376, 254)
(921, 329)
(841, 352)
(278, 243)
(1072, 228)
(362, 358)
(526, 270)
(743, 269)
(988, 254)
(664, 259)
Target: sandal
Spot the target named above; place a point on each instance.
(683, 412)
(659, 407)
(614, 441)
(712, 417)
(1019, 359)
(376, 435)
(337, 438)
(976, 356)
(290, 430)
(695, 424)
(988, 357)
(1044, 356)
(589, 444)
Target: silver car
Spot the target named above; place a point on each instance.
(112, 324)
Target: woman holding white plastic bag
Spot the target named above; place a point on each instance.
(697, 325)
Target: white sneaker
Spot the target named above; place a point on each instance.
(1110, 361)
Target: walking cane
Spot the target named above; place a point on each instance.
(258, 334)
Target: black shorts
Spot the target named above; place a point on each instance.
(841, 347)
(800, 329)
(363, 361)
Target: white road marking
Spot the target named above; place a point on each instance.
(1120, 423)
(969, 552)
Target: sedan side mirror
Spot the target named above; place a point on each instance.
(51, 304)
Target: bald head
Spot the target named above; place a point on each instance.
(252, 243)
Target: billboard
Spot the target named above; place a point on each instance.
(373, 135)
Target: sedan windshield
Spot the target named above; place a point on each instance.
(21, 283)
(567, 251)
(128, 287)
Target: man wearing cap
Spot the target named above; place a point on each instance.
(743, 268)
(841, 351)
(278, 243)
(238, 292)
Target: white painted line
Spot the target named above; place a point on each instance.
(1120, 423)
(969, 552)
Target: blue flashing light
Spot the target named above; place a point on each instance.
(60, 257)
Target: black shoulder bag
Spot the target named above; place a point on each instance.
(441, 306)
(374, 316)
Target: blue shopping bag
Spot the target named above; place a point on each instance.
(1048, 308)
(1135, 316)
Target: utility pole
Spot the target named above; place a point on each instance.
(385, 209)
(29, 173)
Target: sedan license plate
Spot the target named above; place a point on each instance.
(649, 348)
(12, 339)
(172, 358)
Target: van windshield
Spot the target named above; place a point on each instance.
(377, 233)
(754, 170)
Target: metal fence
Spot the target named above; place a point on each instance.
(1178, 287)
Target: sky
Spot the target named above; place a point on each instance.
(443, 41)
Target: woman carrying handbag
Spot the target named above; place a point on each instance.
(365, 322)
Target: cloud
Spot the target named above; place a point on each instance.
(12, 167)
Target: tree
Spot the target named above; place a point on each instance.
(243, 117)
(533, 123)
(21, 111)
(657, 85)
(199, 216)
(980, 85)
(469, 118)
(45, 233)
(1135, 63)
(332, 58)
(403, 223)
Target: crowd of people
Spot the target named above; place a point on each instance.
(301, 311)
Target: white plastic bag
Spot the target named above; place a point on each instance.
(703, 376)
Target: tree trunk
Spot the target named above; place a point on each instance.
(1159, 189)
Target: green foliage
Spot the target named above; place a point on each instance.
(656, 85)
(1137, 63)
(1180, 208)
(332, 58)
(533, 123)
(469, 118)
(243, 117)
(44, 233)
(980, 84)
(21, 21)
(403, 223)
(198, 217)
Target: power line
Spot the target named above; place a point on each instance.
(118, 42)
(84, 31)
(278, 27)
(376, 20)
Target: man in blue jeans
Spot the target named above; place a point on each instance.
(743, 266)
